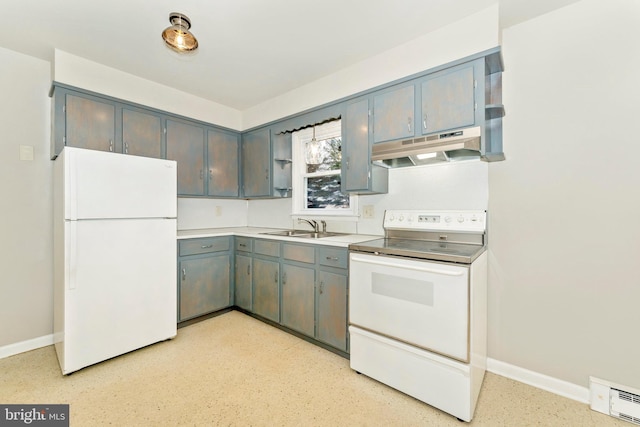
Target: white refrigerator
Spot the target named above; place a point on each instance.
(114, 255)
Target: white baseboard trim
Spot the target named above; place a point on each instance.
(544, 382)
(23, 346)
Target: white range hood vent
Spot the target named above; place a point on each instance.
(452, 145)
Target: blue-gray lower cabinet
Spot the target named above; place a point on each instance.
(204, 282)
(332, 309)
(302, 287)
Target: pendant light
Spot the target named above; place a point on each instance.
(177, 36)
(313, 153)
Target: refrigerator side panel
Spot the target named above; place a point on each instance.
(112, 185)
(123, 292)
(59, 268)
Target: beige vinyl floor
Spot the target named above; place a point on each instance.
(233, 370)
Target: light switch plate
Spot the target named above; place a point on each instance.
(26, 152)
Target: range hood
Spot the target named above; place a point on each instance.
(461, 144)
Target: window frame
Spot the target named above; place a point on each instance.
(299, 180)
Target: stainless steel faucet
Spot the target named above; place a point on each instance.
(312, 223)
(324, 226)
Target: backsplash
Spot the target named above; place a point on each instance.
(462, 185)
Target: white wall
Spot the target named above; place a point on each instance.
(565, 206)
(26, 287)
(211, 213)
(473, 34)
(76, 71)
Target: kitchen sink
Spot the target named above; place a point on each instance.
(304, 234)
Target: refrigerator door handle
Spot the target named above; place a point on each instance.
(73, 252)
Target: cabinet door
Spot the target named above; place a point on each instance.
(298, 297)
(185, 144)
(332, 309)
(222, 149)
(243, 282)
(448, 100)
(266, 289)
(256, 163)
(90, 123)
(355, 144)
(393, 114)
(204, 285)
(141, 133)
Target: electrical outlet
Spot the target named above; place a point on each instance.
(367, 211)
(218, 210)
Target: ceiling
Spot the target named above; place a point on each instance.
(250, 50)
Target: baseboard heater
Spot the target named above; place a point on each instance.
(615, 400)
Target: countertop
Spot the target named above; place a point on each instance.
(341, 241)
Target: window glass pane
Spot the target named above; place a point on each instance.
(330, 152)
(324, 192)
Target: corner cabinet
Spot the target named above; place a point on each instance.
(256, 163)
(204, 276)
(223, 151)
(302, 287)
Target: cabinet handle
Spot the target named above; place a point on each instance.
(126, 148)
(248, 270)
(207, 246)
(348, 163)
(111, 145)
(409, 124)
(275, 277)
(424, 121)
(266, 176)
(332, 258)
(321, 287)
(210, 174)
(184, 273)
(201, 174)
(284, 278)
(242, 245)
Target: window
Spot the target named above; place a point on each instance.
(317, 165)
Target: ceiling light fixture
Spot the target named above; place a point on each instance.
(177, 36)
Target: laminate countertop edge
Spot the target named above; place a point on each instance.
(257, 232)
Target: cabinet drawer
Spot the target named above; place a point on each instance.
(266, 247)
(244, 244)
(204, 245)
(299, 253)
(334, 257)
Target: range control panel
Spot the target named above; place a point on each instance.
(471, 220)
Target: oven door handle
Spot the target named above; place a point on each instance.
(356, 258)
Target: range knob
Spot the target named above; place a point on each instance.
(392, 217)
(447, 219)
(401, 218)
(410, 219)
(460, 219)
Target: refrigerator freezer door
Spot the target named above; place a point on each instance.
(120, 288)
(100, 185)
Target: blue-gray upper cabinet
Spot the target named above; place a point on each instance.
(83, 121)
(256, 163)
(359, 175)
(186, 145)
(223, 163)
(448, 98)
(393, 113)
(141, 132)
